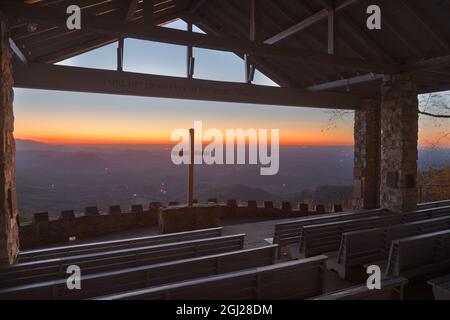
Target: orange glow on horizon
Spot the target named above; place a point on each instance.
(311, 140)
(286, 140)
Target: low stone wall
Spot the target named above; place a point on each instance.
(70, 226)
(183, 218)
(81, 227)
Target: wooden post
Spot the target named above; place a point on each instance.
(190, 194)
(190, 60)
(120, 55)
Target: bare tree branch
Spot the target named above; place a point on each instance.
(435, 115)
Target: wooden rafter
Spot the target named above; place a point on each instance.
(302, 25)
(131, 10)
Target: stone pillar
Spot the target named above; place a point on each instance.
(9, 229)
(399, 134)
(366, 181)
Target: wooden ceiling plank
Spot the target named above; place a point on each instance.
(131, 9)
(119, 29)
(74, 50)
(356, 31)
(437, 35)
(238, 29)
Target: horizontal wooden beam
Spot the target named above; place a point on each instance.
(65, 78)
(345, 82)
(431, 63)
(111, 26)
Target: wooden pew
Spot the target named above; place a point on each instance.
(391, 289)
(433, 204)
(326, 238)
(441, 287)
(370, 245)
(45, 270)
(288, 233)
(100, 284)
(419, 255)
(298, 279)
(93, 247)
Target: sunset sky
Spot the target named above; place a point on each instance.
(67, 117)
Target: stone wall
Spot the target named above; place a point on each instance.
(184, 218)
(9, 238)
(399, 134)
(69, 227)
(366, 181)
(92, 222)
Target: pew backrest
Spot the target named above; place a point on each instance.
(298, 279)
(101, 284)
(363, 246)
(419, 255)
(80, 249)
(45, 270)
(287, 233)
(323, 238)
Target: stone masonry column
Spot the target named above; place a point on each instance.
(366, 182)
(399, 135)
(9, 230)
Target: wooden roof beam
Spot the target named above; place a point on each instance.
(209, 24)
(65, 78)
(345, 82)
(432, 63)
(357, 32)
(318, 16)
(17, 52)
(110, 26)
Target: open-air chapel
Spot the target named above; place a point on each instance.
(371, 57)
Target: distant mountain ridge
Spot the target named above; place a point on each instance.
(321, 194)
(55, 177)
